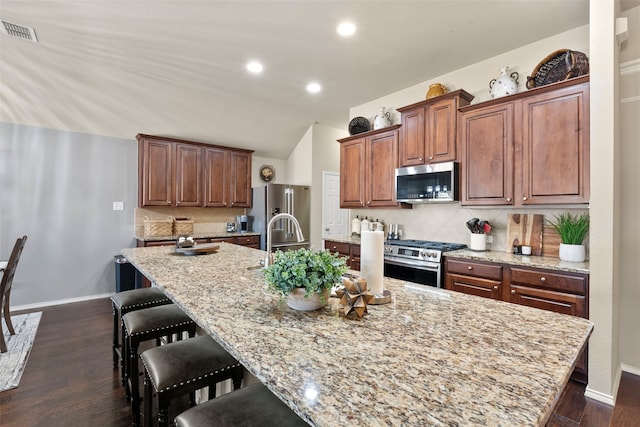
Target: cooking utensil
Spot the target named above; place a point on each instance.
(472, 225)
(487, 227)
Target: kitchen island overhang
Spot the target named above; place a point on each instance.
(430, 357)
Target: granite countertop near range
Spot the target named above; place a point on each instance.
(429, 357)
(521, 260)
(207, 235)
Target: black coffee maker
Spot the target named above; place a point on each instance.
(243, 222)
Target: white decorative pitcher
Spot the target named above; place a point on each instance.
(382, 120)
(505, 84)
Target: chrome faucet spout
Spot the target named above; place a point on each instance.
(269, 258)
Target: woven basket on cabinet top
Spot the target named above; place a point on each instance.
(558, 66)
(182, 226)
(158, 227)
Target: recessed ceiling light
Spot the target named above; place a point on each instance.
(254, 67)
(346, 29)
(314, 87)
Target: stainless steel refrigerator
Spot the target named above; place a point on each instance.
(272, 199)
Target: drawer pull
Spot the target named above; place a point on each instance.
(469, 268)
(335, 247)
(513, 291)
(543, 279)
(495, 287)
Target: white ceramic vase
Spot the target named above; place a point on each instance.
(572, 253)
(297, 301)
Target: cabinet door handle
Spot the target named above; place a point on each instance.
(524, 198)
(335, 247)
(508, 199)
(430, 157)
(543, 279)
(420, 159)
(469, 268)
(495, 287)
(513, 291)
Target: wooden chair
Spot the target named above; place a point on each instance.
(5, 287)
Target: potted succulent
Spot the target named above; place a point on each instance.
(305, 277)
(573, 229)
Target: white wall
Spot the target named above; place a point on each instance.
(299, 162)
(630, 200)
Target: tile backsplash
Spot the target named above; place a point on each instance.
(446, 222)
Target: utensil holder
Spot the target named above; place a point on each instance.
(478, 242)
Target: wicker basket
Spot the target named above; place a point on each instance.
(158, 227)
(182, 226)
(558, 66)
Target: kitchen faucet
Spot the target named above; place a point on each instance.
(269, 258)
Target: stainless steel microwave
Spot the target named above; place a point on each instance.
(434, 183)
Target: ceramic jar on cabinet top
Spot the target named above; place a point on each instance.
(505, 84)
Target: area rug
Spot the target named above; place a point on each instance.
(13, 362)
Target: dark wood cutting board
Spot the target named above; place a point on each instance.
(525, 229)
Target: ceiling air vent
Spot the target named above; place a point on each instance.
(19, 31)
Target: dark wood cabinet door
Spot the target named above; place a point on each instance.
(240, 172)
(155, 182)
(555, 146)
(440, 131)
(188, 175)
(216, 177)
(412, 146)
(487, 155)
(352, 170)
(381, 163)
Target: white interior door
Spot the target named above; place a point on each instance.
(335, 221)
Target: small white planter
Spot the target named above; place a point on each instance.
(297, 301)
(572, 253)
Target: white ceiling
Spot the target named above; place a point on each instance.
(176, 68)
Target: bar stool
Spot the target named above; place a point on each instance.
(251, 406)
(124, 302)
(183, 367)
(144, 325)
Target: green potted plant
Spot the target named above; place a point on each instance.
(304, 277)
(573, 229)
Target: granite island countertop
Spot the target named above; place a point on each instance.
(430, 357)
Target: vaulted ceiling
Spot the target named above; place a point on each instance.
(177, 68)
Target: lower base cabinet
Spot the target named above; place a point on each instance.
(350, 251)
(551, 290)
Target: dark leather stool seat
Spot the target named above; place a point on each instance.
(123, 303)
(183, 367)
(251, 406)
(148, 324)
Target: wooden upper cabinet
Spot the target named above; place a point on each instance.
(428, 133)
(352, 167)
(555, 146)
(216, 178)
(531, 148)
(240, 172)
(487, 153)
(155, 160)
(179, 173)
(368, 162)
(380, 169)
(188, 175)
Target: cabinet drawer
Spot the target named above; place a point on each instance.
(248, 240)
(342, 248)
(355, 250)
(224, 239)
(469, 268)
(562, 282)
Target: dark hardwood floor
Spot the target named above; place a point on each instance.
(70, 380)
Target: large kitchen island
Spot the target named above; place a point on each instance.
(429, 357)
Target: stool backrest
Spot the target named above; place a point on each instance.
(10, 269)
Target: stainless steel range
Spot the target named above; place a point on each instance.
(416, 261)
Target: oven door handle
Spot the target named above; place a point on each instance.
(409, 264)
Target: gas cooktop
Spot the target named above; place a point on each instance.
(426, 244)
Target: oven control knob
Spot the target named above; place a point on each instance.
(387, 249)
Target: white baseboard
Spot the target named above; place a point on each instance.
(630, 369)
(609, 399)
(58, 302)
